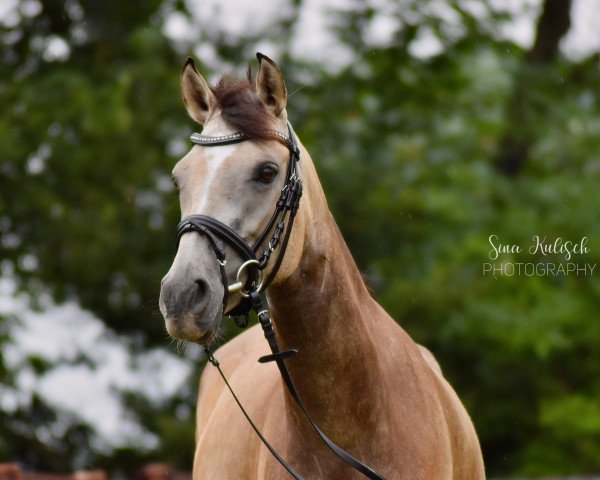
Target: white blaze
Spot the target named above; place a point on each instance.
(215, 158)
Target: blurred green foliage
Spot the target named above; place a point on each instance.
(405, 147)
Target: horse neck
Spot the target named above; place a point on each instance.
(325, 310)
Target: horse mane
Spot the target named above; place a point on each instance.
(241, 108)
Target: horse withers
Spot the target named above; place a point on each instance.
(366, 384)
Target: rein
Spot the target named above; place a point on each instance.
(215, 232)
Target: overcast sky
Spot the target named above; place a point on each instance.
(313, 38)
(66, 334)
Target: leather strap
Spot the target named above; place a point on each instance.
(201, 223)
(217, 247)
(284, 245)
(214, 141)
(209, 141)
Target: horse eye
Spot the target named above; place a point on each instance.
(267, 174)
(174, 182)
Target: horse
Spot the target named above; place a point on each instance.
(365, 383)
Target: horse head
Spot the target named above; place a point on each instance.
(234, 176)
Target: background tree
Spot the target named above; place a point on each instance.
(90, 125)
(524, 107)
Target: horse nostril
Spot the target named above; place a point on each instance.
(199, 296)
(201, 287)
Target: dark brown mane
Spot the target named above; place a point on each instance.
(242, 109)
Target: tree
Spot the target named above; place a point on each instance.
(535, 72)
(90, 112)
(86, 157)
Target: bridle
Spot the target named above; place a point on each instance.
(280, 224)
(214, 230)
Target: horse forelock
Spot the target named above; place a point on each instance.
(241, 108)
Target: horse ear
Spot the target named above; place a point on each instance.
(197, 96)
(270, 85)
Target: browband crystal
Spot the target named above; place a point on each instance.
(198, 139)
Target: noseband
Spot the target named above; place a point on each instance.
(215, 231)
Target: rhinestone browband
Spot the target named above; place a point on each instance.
(198, 139)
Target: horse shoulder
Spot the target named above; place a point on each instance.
(466, 451)
(430, 359)
(444, 404)
(257, 387)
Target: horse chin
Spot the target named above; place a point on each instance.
(192, 328)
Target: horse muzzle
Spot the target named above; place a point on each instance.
(191, 306)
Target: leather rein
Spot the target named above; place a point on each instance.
(280, 224)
